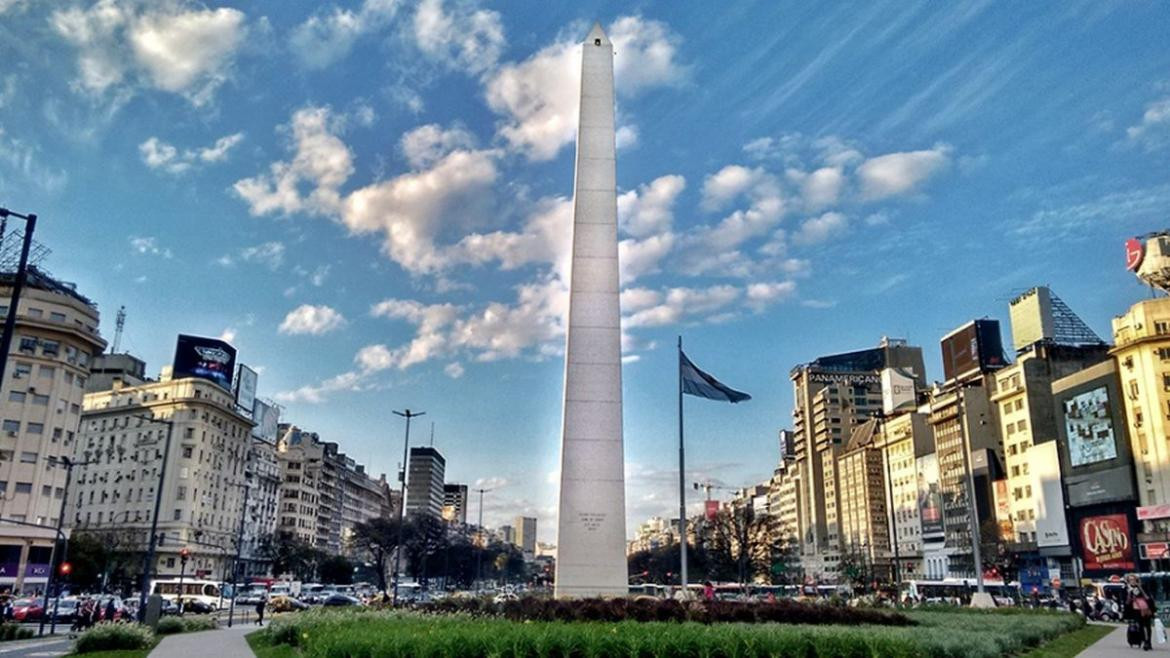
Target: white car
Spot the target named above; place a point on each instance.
(503, 597)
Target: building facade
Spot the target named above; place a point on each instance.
(455, 503)
(41, 397)
(424, 486)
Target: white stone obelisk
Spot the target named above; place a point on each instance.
(591, 529)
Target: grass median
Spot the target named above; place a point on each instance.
(941, 634)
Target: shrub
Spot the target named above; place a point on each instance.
(201, 623)
(170, 626)
(14, 632)
(114, 636)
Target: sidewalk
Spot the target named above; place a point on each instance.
(221, 643)
(1114, 644)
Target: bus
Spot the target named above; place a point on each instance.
(950, 590)
(207, 592)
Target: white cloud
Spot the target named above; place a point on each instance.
(454, 370)
(819, 229)
(313, 320)
(650, 208)
(321, 160)
(269, 254)
(730, 182)
(183, 50)
(426, 145)
(822, 187)
(626, 137)
(539, 96)
(464, 38)
(327, 38)
(762, 295)
(1154, 128)
(158, 154)
(639, 257)
(228, 335)
(681, 303)
(900, 173)
(633, 299)
(149, 245)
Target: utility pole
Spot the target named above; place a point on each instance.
(152, 542)
(407, 414)
(68, 464)
(482, 541)
(17, 284)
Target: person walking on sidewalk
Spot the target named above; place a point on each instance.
(1139, 608)
(260, 605)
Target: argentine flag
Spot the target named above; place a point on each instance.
(699, 384)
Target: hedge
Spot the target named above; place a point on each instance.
(114, 636)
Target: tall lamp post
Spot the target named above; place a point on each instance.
(482, 541)
(239, 545)
(152, 543)
(17, 285)
(68, 464)
(408, 414)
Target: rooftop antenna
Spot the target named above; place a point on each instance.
(432, 434)
(119, 325)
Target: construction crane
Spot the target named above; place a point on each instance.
(708, 486)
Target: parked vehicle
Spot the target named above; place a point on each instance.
(65, 610)
(27, 610)
(286, 604)
(339, 601)
(206, 592)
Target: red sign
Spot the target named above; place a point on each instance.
(1135, 252)
(1105, 540)
(1150, 512)
(712, 509)
(1154, 550)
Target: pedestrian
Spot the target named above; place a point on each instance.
(1139, 608)
(260, 605)
(708, 591)
(111, 611)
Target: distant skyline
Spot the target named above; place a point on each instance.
(371, 199)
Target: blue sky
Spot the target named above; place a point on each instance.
(371, 198)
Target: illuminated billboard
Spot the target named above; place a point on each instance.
(1106, 543)
(246, 381)
(974, 347)
(1088, 424)
(207, 358)
(930, 507)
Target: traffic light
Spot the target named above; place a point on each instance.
(184, 554)
(66, 568)
(162, 537)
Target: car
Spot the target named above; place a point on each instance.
(198, 607)
(169, 607)
(120, 611)
(64, 609)
(504, 597)
(339, 601)
(286, 604)
(27, 610)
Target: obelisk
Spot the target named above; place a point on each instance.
(591, 528)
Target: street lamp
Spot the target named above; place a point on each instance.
(30, 221)
(482, 541)
(408, 414)
(239, 543)
(68, 464)
(148, 559)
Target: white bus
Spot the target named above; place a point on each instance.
(950, 590)
(204, 591)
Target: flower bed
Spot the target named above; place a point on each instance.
(366, 634)
(784, 611)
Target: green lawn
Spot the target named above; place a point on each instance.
(943, 634)
(1072, 643)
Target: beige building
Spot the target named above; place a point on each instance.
(53, 344)
(526, 535)
(1142, 337)
(862, 514)
(655, 532)
(904, 439)
(202, 495)
(260, 520)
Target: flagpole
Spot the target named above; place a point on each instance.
(682, 489)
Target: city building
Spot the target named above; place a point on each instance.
(906, 441)
(264, 477)
(526, 536)
(862, 503)
(121, 457)
(300, 454)
(1142, 351)
(424, 484)
(455, 503)
(656, 532)
(106, 369)
(55, 338)
(506, 534)
(833, 394)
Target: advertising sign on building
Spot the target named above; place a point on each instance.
(1135, 251)
(208, 358)
(1106, 543)
(1051, 525)
(246, 382)
(1106, 486)
(267, 419)
(974, 347)
(1088, 423)
(930, 508)
(712, 509)
(1154, 550)
(1151, 512)
(898, 390)
(1003, 511)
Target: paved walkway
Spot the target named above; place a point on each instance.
(223, 643)
(1114, 644)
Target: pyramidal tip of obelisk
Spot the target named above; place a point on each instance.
(591, 525)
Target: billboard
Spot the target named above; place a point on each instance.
(267, 419)
(246, 380)
(930, 507)
(1135, 251)
(974, 347)
(1088, 424)
(712, 509)
(1003, 511)
(1107, 486)
(1051, 524)
(898, 390)
(207, 358)
(1105, 542)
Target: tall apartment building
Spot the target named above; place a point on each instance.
(424, 486)
(1142, 351)
(55, 338)
(300, 454)
(363, 498)
(526, 535)
(833, 394)
(906, 440)
(262, 513)
(123, 453)
(455, 503)
(862, 504)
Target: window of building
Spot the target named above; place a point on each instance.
(1019, 404)
(16, 396)
(50, 347)
(181, 493)
(57, 317)
(47, 371)
(28, 457)
(28, 344)
(12, 426)
(36, 428)
(46, 490)
(178, 515)
(23, 487)
(35, 312)
(190, 450)
(41, 400)
(21, 370)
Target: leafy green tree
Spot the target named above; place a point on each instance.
(335, 570)
(290, 555)
(376, 539)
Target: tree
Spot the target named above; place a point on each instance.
(376, 539)
(104, 559)
(335, 570)
(741, 545)
(426, 538)
(290, 554)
